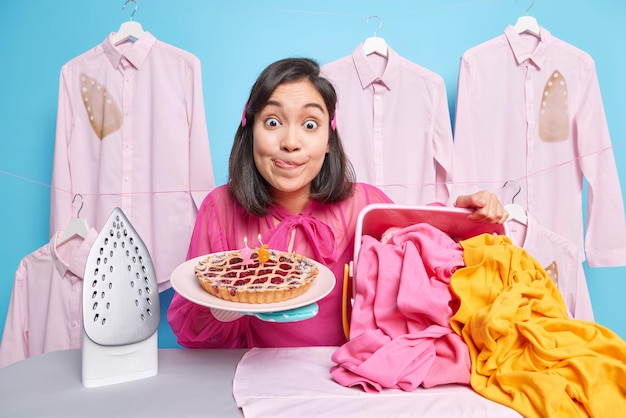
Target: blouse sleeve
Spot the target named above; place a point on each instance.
(193, 324)
(207, 236)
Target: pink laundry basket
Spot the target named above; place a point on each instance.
(375, 219)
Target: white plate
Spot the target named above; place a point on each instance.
(184, 281)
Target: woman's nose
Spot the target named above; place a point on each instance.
(291, 140)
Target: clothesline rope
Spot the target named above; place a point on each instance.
(403, 13)
(425, 184)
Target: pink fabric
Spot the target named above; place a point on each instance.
(45, 310)
(400, 334)
(294, 382)
(504, 88)
(131, 133)
(322, 232)
(394, 121)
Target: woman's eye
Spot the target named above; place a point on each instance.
(310, 124)
(272, 122)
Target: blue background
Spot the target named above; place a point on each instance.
(235, 40)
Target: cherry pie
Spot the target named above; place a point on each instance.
(283, 276)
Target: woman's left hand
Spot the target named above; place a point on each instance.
(486, 205)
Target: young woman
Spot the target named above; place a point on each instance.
(291, 182)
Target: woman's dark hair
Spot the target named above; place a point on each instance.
(333, 183)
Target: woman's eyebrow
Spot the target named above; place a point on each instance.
(273, 103)
(314, 105)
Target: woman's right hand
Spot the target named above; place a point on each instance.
(486, 205)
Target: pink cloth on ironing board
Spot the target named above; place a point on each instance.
(400, 334)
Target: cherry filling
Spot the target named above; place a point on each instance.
(280, 271)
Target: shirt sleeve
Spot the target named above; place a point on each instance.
(605, 239)
(61, 190)
(201, 167)
(14, 345)
(442, 144)
(463, 176)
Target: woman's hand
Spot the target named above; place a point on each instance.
(486, 205)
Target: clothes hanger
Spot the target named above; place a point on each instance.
(528, 24)
(130, 29)
(375, 44)
(516, 211)
(77, 226)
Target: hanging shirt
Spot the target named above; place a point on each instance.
(45, 309)
(131, 133)
(393, 119)
(530, 110)
(323, 232)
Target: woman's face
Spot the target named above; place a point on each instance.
(291, 141)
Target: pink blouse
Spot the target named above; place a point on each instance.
(324, 232)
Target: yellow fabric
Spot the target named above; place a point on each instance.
(526, 353)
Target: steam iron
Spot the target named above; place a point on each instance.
(120, 307)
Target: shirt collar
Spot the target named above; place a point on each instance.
(78, 260)
(522, 52)
(135, 54)
(367, 75)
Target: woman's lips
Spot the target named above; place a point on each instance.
(286, 164)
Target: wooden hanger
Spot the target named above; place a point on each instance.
(528, 24)
(516, 211)
(76, 227)
(130, 29)
(375, 44)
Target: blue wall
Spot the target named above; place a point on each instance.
(234, 41)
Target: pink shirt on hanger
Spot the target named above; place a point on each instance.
(393, 118)
(530, 110)
(131, 133)
(323, 232)
(45, 309)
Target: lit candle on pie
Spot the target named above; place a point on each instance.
(246, 252)
(264, 254)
